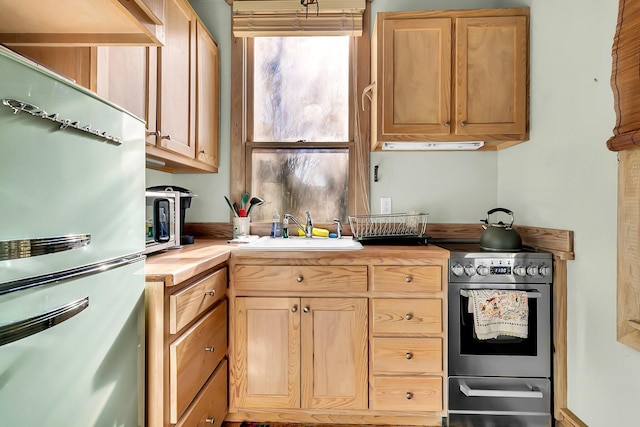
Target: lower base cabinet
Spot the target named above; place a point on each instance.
(301, 352)
(360, 343)
(187, 350)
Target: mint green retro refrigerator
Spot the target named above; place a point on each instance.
(71, 263)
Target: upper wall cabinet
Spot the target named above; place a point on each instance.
(82, 23)
(450, 76)
(175, 88)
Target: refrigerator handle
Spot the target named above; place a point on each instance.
(24, 328)
(470, 392)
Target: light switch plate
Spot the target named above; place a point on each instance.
(385, 205)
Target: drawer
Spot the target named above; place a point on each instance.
(405, 278)
(407, 355)
(210, 406)
(414, 317)
(407, 394)
(189, 303)
(194, 356)
(300, 278)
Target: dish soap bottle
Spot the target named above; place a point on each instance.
(285, 227)
(275, 226)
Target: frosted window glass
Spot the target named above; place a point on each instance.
(301, 89)
(294, 181)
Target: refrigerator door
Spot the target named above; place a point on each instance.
(85, 370)
(72, 174)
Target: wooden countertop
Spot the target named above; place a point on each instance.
(188, 261)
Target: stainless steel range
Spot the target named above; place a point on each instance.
(500, 378)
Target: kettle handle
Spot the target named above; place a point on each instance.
(505, 210)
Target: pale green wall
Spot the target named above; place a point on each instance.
(562, 178)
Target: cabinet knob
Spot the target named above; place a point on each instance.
(300, 279)
(152, 132)
(409, 355)
(408, 279)
(167, 136)
(409, 395)
(447, 124)
(210, 420)
(211, 349)
(463, 123)
(294, 308)
(306, 309)
(211, 292)
(408, 316)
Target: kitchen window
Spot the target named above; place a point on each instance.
(296, 125)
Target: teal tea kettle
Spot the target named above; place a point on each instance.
(499, 236)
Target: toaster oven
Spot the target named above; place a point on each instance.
(162, 220)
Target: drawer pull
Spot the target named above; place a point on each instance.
(294, 308)
(408, 316)
(211, 292)
(300, 279)
(409, 355)
(409, 395)
(210, 420)
(211, 349)
(306, 309)
(408, 279)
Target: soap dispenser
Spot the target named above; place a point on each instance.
(275, 226)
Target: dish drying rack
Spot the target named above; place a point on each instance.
(393, 225)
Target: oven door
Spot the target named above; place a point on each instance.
(499, 402)
(503, 356)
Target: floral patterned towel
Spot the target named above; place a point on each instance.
(499, 312)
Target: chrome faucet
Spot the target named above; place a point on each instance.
(308, 229)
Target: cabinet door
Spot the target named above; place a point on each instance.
(414, 69)
(491, 75)
(208, 97)
(176, 100)
(127, 76)
(334, 353)
(266, 372)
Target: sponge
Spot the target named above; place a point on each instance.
(318, 232)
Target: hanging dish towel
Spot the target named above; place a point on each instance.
(499, 312)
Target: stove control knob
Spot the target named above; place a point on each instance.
(483, 270)
(532, 270)
(544, 271)
(519, 271)
(470, 270)
(457, 270)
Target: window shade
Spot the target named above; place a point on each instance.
(253, 18)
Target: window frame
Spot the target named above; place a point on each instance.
(241, 146)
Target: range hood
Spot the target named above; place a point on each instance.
(432, 146)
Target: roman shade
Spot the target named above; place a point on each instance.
(253, 18)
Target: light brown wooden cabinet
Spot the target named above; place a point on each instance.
(294, 353)
(183, 96)
(408, 339)
(84, 23)
(187, 350)
(359, 341)
(450, 76)
(175, 88)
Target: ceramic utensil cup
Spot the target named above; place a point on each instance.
(241, 226)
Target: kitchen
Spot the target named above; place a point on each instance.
(571, 118)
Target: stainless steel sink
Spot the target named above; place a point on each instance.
(303, 244)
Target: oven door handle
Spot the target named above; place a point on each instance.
(470, 392)
(530, 294)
